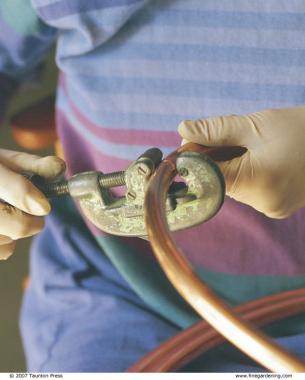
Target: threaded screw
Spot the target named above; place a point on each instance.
(55, 189)
(112, 179)
(60, 188)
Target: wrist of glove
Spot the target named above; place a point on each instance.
(270, 176)
(22, 205)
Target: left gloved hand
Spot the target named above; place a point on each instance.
(270, 176)
(22, 205)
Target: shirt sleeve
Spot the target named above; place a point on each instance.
(24, 42)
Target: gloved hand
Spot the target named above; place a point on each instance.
(270, 176)
(22, 216)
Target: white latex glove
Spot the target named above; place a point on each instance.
(24, 217)
(270, 176)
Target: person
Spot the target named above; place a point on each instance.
(130, 72)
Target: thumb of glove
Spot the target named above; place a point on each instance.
(219, 131)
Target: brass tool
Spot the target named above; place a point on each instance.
(188, 203)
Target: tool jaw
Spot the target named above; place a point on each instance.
(205, 191)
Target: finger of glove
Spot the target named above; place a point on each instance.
(18, 191)
(48, 167)
(6, 250)
(238, 174)
(16, 224)
(5, 239)
(223, 130)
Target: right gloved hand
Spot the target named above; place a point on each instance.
(270, 175)
(22, 215)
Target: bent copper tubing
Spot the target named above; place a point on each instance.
(192, 342)
(180, 273)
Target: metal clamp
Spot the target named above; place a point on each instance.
(188, 203)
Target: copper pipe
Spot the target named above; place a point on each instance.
(209, 306)
(192, 342)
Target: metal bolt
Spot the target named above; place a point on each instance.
(112, 179)
(55, 189)
(49, 189)
(60, 188)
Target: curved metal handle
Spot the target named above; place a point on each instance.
(180, 273)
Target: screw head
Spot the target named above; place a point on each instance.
(143, 170)
(183, 172)
(131, 195)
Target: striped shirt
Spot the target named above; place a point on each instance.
(130, 71)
